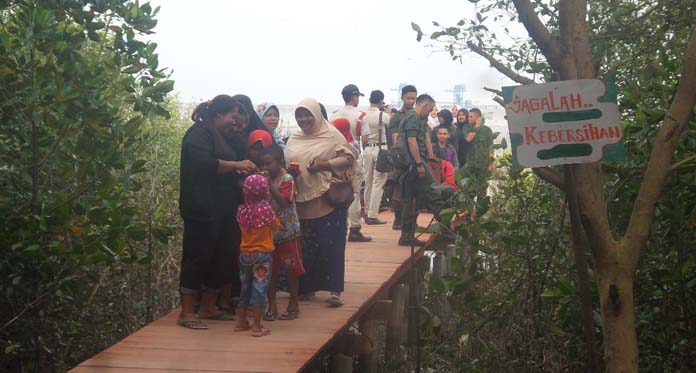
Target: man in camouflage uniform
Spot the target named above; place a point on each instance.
(419, 188)
(478, 165)
(408, 97)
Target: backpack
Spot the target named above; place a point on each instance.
(400, 156)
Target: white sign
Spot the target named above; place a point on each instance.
(573, 121)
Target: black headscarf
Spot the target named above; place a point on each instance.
(255, 123)
(466, 121)
(447, 116)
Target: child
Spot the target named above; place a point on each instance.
(257, 141)
(256, 222)
(443, 149)
(288, 254)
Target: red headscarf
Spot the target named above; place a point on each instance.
(343, 126)
(256, 211)
(259, 135)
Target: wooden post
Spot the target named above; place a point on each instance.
(399, 296)
(368, 362)
(450, 253)
(438, 266)
(342, 364)
(413, 315)
(423, 266)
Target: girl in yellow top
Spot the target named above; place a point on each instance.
(257, 222)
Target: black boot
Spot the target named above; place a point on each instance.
(356, 236)
(408, 237)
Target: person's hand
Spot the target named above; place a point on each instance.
(387, 109)
(317, 166)
(421, 171)
(432, 157)
(246, 167)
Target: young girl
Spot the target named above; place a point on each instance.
(288, 253)
(258, 140)
(257, 221)
(443, 149)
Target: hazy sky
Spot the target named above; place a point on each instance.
(283, 51)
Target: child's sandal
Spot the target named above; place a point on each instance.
(270, 315)
(290, 315)
(242, 328)
(261, 333)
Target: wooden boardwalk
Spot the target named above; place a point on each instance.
(162, 346)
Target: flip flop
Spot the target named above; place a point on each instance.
(222, 316)
(290, 315)
(270, 316)
(335, 301)
(261, 333)
(242, 328)
(195, 324)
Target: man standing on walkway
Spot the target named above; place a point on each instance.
(408, 97)
(351, 96)
(377, 120)
(478, 164)
(418, 184)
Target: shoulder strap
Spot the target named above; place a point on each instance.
(379, 129)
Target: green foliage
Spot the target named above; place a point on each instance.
(640, 45)
(88, 176)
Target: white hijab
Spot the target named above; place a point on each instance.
(322, 142)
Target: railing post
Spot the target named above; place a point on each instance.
(342, 363)
(395, 334)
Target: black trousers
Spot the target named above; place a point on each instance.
(210, 257)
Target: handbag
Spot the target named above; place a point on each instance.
(384, 161)
(340, 194)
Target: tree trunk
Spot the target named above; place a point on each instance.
(580, 250)
(615, 276)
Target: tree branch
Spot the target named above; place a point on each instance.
(499, 101)
(659, 165)
(550, 175)
(493, 90)
(539, 33)
(498, 65)
(682, 162)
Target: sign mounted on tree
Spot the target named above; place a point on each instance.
(572, 121)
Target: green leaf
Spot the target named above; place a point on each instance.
(558, 331)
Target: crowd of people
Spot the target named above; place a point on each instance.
(264, 213)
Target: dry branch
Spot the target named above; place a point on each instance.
(493, 90)
(498, 65)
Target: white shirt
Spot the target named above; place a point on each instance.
(354, 117)
(372, 121)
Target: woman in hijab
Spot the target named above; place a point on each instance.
(255, 122)
(323, 156)
(209, 171)
(270, 116)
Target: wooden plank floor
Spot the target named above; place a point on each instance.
(162, 346)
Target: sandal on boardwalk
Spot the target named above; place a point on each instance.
(261, 333)
(290, 315)
(270, 315)
(335, 301)
(239, 328)
(222, 316)
(195, 324)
